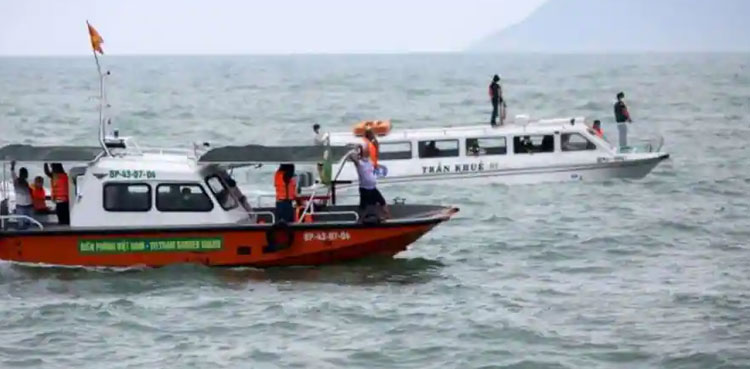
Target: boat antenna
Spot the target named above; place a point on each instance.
(96, 46)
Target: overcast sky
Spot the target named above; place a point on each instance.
(57, 27)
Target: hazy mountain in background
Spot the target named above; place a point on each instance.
(627, 26)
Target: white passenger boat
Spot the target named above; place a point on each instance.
(522, 151)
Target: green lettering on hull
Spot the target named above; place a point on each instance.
(132, 245)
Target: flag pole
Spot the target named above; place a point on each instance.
(101, 101)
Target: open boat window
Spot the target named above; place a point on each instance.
(486, 146)
(575, 142)
(127, 197)
(438, 148)
(222, 192)
(182, 197)
(394, 150)
(533, 144)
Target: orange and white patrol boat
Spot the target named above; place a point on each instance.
(131, 207)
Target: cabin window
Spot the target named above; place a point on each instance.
(221, 192)
(182, 197)
(575, 142)
(438, 148)
(394, 150)
(486, 146)
(533, 144)
(127, 197)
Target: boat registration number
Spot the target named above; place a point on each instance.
(327, 236)
(132, 245)
(135, 174)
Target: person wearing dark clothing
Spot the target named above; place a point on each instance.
(622, 117)
(496, 97)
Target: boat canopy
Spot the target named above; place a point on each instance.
(258, 154)
(29, 153)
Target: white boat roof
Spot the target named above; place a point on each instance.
(514, 127)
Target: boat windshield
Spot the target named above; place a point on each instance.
(226, 195)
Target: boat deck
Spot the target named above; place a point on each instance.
(323, 216)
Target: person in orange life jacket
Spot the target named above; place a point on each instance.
(60, 191)
(496, 98)
(286, 192)
(23, 195)
(368, 192)
(39, 197)
(598, 128)
(372, 147)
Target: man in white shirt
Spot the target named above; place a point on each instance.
(24, 205)
(320, 138)
(368, 192)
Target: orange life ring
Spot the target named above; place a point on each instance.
(379, 127)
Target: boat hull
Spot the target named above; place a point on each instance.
(630, 169)
(239, 246)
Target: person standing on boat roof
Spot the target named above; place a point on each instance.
(286, 192)
(23, 194)
(60, 191)
(496, 98)
(368, 191)
(622, 117)
(320, 139)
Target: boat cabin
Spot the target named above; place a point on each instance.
(154, 187)
(479, 150)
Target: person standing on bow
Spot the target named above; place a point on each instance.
(60, 191)
(369, 196)
(622, 117)
(23, 195)
(496, 98)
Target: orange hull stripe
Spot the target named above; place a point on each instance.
(309, 247)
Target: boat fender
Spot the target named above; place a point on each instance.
(279, 237)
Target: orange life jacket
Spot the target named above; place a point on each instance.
(38, 197)
(60, 187)
(372, 151)
(284, 191)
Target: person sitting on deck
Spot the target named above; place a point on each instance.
(39, 197)
(597, 127)
(369, 195)
(59, 191)
(286, 193)
(23, 195)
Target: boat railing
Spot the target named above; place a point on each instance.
(132, 147)
(646, 146)
(263, 212)
(342, 212)
(6, 218)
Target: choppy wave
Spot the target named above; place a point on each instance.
(648, 273)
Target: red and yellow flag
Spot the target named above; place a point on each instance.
(96, 39)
